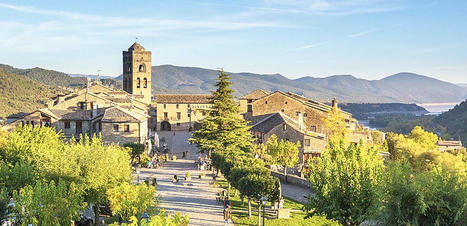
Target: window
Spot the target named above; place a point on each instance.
(286, 102)
(115, 127)
(282, 110)
(250, 108)
(266, 102)
(189, 115)
(142, 68)
(165, 106)
(166, 115)
(297, 113)
(178, 124)
(179, 115)
(127, 128)
(189, 105)
(307, 142)
(176, 106)
(81, 105)
(138, 82)
(145, 82)
(313, 128)
(305, 114)
(79, 126)
(67, 124)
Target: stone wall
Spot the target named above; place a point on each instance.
(188, 113)
(292, 179)
(109, 136)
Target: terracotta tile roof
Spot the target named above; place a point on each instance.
(75, 114)
(183, 98)
(259, 93)
(272, 120)
(117, 114)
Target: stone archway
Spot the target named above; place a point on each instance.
(165, 126)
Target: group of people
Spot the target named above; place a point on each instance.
(203, 164)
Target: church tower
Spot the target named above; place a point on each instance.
(137, 72)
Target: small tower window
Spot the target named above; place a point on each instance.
(138, 84)
(145, 82)
(142, 68)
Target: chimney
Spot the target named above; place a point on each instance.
(334, 102)
(300, 120)
(94, 110)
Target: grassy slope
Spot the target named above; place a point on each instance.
(21, 94)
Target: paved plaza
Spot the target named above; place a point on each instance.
(197, 197)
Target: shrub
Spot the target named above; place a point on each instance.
(174, 157)
(424, 198)
(187, 175)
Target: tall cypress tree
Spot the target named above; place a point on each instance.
(223, 128)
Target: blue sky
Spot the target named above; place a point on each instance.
(369, 39)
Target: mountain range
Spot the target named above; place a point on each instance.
(403, 87)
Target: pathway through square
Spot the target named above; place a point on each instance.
(197, 197)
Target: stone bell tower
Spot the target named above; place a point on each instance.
(137, 72)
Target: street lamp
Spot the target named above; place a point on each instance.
(137, 172)
(264, 200)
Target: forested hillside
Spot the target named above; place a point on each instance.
(21, 94)
(449, 125)
(455, 122)
(47, 77)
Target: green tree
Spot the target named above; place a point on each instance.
(223, 128)
(41, 153)
(255, 186)
(4, 200)
(127, 200)
(284, 153)
(17, 176)
(239, 172)
(136, 149)
(48, 204)
(161, 219)
(346, 182)
(101, 168)
(334, 123)
(434, 197)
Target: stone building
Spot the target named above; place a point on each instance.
(180, 112)
(119, 116)
(295, 118)
(444, 145)
(286, 128)
(137, 72)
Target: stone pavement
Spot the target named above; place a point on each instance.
(196, 198)
(295, 192)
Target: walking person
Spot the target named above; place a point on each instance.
(227, 211)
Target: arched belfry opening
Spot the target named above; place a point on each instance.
(142, 68)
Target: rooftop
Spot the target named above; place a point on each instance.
(183, 98)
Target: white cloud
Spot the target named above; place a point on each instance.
(312, 45)
(336, 7)
(362, 33)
